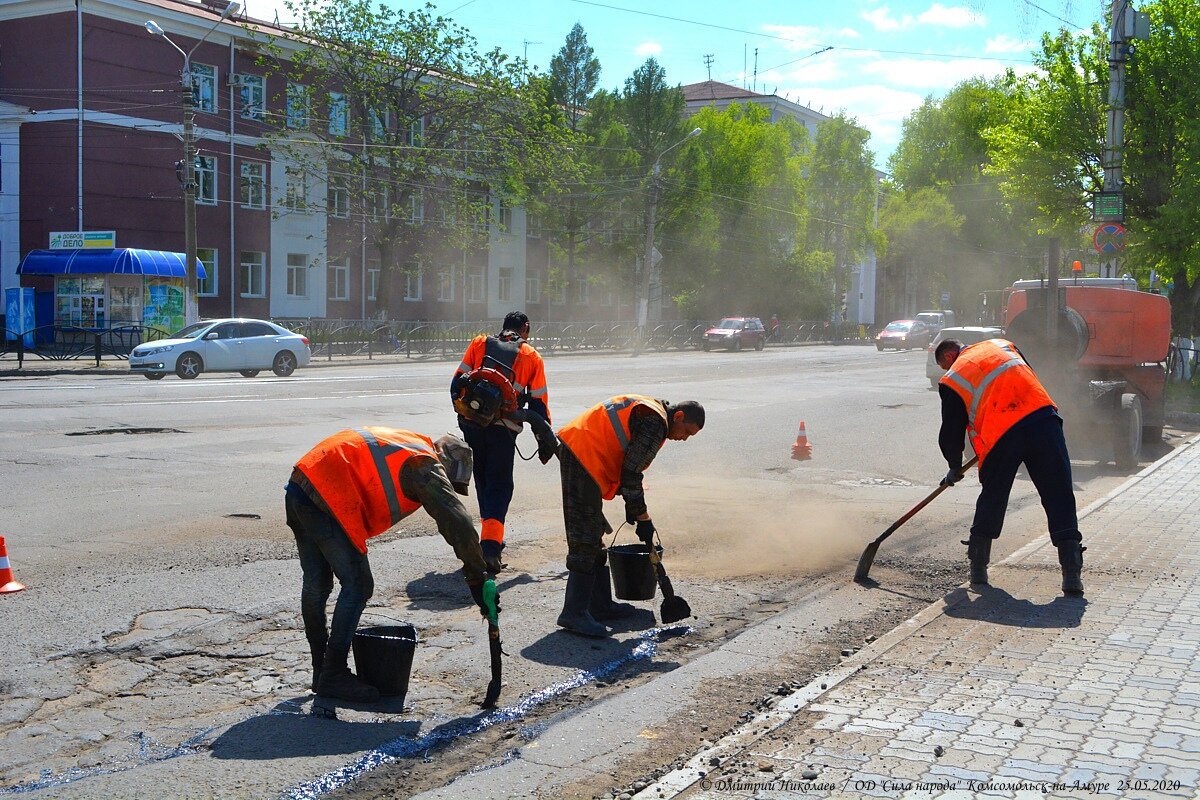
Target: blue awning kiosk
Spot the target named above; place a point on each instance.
(103, 287)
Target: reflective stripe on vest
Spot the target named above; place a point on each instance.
(599, 438)
(379, 453)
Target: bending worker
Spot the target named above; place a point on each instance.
(502, 357)
(992, 394)
(604, 451)
(354, 485)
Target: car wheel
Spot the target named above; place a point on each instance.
(707, 347)
(284, 364)
(189, 366)
(760, 344)
(736, 346)
(249, 373)
(154, 376)
(879, 347)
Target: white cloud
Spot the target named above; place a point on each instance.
(930, 73)
(883, 21)
(648, 49)
(879, 109)
(1006, 44)
(950, 17)
(799, 37)
(849, 33)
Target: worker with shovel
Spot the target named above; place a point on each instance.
(354, 485)
(604, 452)
(990, 393)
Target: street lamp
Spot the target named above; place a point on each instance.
(189, 156)
(648, 258)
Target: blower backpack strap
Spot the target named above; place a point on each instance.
(486, 393)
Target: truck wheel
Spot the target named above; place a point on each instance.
(1127, 433)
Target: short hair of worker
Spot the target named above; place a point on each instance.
(693, 412)
(948, 344)
(515, 320)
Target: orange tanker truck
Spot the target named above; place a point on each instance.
(1099, 345)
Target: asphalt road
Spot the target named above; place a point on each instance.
(159, 643)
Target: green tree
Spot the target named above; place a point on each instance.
(922, 229)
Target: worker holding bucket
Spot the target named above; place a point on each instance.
(352, 486)
(604, 452)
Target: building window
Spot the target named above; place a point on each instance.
(204, 88)
(533, 226)
(446, 284)
(412, 281)
(505, 217)
(253, 96)
(372, 279)
(475, 285)
(297, 105)
(295, 196)
(416, 132)
(581, 291)
(297, 274)
(254, 184)
(558, 293)
(338, 200)
(339, 280)
(208, 286)
(533, 288)
(504, 284)
(379, 124)
(339, 114)
(206, 180)
(254, 273)
(416, 207)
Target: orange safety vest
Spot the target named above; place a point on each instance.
(998, 388)
(599, 437)
(357, 474)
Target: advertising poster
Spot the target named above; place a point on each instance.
(162, 304)
(18, 314)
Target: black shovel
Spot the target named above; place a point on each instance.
(674, 608)
(493, 620)
(868, 556)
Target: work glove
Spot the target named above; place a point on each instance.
(477, 596)
(952, 477)
(645, 532)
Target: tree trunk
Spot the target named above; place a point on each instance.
(383, 292)
(568, 317)
(1184, 298)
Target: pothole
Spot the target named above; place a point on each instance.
(243, 515)
(876, 482)
(104, 431)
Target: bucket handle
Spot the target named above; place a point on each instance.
(374, 613)
(618, 530)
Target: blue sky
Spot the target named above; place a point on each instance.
(887, 55)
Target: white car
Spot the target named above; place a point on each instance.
(247, 346)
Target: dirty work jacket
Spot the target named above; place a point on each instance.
(599, 436)
(357, 475)
(998, 389)
(527, 372)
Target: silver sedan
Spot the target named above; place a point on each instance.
(247, 346)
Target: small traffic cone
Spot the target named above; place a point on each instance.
(802, 450)
(8, 583)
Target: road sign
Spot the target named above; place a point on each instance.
(1109, 238)
(945, 299)
(1108, 206)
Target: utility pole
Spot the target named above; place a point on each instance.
(708, 62)
(190, 282)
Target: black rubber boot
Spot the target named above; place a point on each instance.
(601, 605)
(575, 616)
(339, 682)
(491, 555)
(318, 660)
(1070, 558)
(979, 552)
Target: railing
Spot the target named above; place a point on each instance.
(412, 339)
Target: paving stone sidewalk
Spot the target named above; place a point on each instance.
(1016, 691)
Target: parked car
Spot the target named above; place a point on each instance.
(247, 346)
(734, 333)
(967, 335)
(903, 334)
(935, 320)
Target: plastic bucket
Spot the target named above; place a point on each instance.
(632, 575)
(383, 656)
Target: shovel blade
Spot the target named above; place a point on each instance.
(865, 562)
(493, 694)
(674, 609)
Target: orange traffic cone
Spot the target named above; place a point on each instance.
(802, 450)
(8, 584)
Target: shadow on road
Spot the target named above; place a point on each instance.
(444, 591)
(297, 735)
(998, 607)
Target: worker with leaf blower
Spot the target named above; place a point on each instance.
(352, 486)
(604, 451)
(990, 393)
(499, 375)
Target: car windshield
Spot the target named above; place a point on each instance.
(897, 326)
(191, 331)
(730, 324)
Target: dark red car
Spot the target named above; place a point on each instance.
(903, 334)
(734, 333)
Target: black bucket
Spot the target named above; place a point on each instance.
(383, 656)
(632, 575)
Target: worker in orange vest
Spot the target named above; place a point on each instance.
(603, 452)
(990, 393)
(499, 374)
(354, 485)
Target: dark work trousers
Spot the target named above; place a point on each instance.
(326, 551)
(583, 514)
(1039, 444)
(494, 449)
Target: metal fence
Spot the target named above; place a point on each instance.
(408, 339)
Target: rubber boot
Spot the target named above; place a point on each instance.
(1070, 558)
(339, 682)
(601, 605)
(575, 616)
(979, 552)
(318, 659)
(491, 555)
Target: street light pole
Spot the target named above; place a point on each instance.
(190, 282)
(643, 309)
